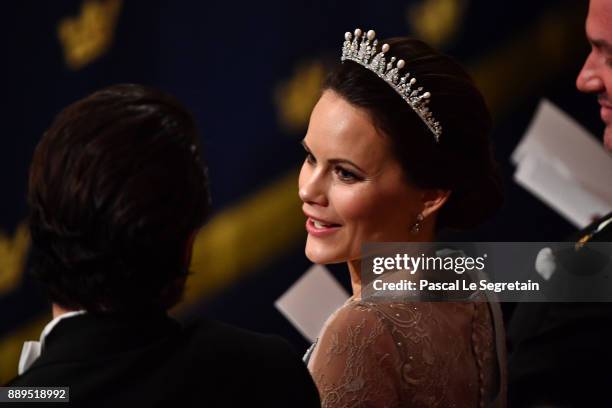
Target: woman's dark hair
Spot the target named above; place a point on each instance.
(117, 187)
(463, 160)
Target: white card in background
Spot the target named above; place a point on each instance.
(565, 195)
(556, 134)
(311, 300)
(561, 164)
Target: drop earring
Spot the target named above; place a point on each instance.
(416, 228)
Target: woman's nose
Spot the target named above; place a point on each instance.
(312, 188)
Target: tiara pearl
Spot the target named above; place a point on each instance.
(362, 49)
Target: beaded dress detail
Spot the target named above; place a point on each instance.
(420, 354)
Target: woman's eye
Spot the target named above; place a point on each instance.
(346, 175)
(310, 158)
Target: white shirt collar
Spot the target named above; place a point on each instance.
(32, 349)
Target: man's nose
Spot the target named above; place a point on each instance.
(589, 80)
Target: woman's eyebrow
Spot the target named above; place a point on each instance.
(334, 161)
(340, 161)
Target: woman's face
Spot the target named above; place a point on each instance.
(352, 187)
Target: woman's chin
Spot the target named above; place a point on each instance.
(322, 255)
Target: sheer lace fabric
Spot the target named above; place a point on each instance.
(406, 355)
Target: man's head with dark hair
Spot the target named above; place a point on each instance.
(117, 190)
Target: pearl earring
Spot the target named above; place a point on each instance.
(416, 228)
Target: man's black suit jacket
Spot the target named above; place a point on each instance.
(562, 352)
(152, 361)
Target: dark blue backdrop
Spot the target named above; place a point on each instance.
(250, 71)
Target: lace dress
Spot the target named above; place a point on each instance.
(411, 355)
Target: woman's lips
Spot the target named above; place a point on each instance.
(320, 228)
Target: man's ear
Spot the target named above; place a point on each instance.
(433, 200)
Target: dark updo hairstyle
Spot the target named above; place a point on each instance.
(463, 160)
(116, 190)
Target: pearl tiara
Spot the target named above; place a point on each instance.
(362, 50)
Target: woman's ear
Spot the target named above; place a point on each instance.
(433, 200)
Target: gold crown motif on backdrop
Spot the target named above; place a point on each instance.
(362, 49)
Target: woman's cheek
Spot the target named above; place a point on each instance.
(354, 203)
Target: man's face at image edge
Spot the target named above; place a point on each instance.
(596, 74)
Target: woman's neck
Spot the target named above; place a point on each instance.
(355, 272)
(427, 234)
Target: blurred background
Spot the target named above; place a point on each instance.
(251, 73)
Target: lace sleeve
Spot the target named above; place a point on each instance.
(356, 363)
